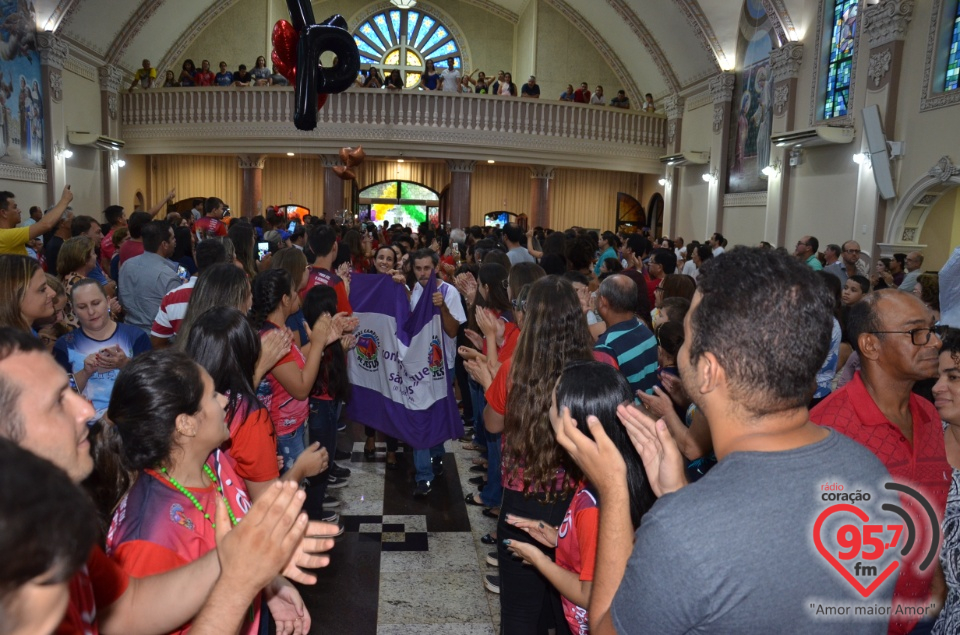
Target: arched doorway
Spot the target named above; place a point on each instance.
(401, 202)
(655, 214)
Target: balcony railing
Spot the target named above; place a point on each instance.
(200, 119)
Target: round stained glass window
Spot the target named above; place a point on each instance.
(403, 40)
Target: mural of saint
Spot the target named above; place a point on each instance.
(21, 91)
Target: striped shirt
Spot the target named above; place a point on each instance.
(173, 308)
(634, 347)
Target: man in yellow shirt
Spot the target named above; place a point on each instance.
(13, 239)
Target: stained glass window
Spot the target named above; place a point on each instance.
(952, 81)
(400, 202)
(840, 61)
(402, 40)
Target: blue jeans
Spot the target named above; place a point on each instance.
(479, 402)
(290, 446)
(422, 462)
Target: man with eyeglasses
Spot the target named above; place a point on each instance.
(898, 341)
(849, 263)
(807, 252)
(914, 267)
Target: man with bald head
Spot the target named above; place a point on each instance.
(848, 264)
(914, 267)
(898, 342)
(627, 339)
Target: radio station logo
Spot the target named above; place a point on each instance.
(368, 350)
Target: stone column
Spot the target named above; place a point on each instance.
(459, 194)
(885, 27)
(540, 177)
(251, 197)
(110, 80)
(53, 54)
(673, 106)
(333, 187)
(785, 69)
(721, 89)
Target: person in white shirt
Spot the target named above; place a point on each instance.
(716, 243)
(450, 78)
(598, 99)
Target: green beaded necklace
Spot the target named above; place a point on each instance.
(193, 499)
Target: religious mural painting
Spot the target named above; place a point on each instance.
(752, 101)
(21, 94)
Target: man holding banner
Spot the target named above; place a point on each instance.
(402, 367)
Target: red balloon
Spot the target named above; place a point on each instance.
(321, 100)
(285, 39)
(344, 173)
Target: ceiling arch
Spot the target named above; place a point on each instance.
(651, 47)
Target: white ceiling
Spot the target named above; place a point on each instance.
(663, 45)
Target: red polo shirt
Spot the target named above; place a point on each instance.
(922, 465)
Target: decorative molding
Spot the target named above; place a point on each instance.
(887, 21)
(717, 118)
(64, 10)
(699, 100)
(785, 61)
(53, 50)
(701, 25)
(644, 35)
(251, 161)
(112, 105)
(192, 32)
(371, 10)
(927, 200)
(586, 29)
(461, 165)
(721, 88)
(110, 78)
(329, 160)
(879, 66)
(909, 234)
(944, 170)
(673, 106)
(933, 97)
(671, 131)
(23, 173)
(781, 95)
(541, 172)
(495, 9)
(82, 69)
(56, 86)
(747, 199)
(782, 24)
(129, 32)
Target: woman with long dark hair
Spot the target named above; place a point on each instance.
(170, 422)
(224, 343)
(286, 388)
(245, 245)
(219, 285)
(585, 389)
(538, 476)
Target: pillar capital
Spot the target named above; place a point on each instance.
(111, 78)
(461, 165)
(673, 106)
(329, 160)
(721, 87)
(785, 61)
(541, 171)
(251, 161)
(887, 21)
(53, 50)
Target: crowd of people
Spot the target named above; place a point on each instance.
(644, 411)
(446, 78)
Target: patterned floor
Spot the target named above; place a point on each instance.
(404, 565)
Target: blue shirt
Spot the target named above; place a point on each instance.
(634, 347)
(223, 79)
(609, 252)
(74, 347)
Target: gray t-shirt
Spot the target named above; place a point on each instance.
(518, 255)
(734, 552)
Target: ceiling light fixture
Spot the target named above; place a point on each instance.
(490, 161)
(291, 154)
(399, 160)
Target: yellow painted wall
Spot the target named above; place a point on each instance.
(941, 231)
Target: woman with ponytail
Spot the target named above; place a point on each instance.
(170, 421)
(287, 386)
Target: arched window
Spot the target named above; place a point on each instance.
(404, 39)
(952, 78)
(840, 60)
